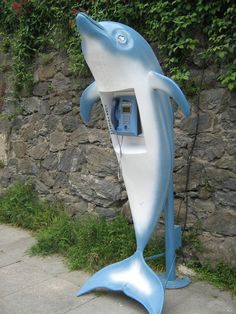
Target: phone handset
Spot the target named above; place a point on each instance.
(125, 116)
(114, 110)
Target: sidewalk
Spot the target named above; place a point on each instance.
(36, 285)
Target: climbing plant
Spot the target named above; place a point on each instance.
(182, 30)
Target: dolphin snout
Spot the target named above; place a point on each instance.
(86, 25)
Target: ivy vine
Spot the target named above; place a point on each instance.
(181, 29)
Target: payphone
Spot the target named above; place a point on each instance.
(125, 118)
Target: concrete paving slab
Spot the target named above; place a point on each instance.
(110, 303)
(52, 296)
(18, 276)
(52, 265)
(7, 259)
(199, 298)
(76, 277)
(9, 234)
(15, 250)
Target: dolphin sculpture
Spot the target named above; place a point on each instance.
(123, 63)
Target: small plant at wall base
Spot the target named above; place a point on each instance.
(87, 242)
(29, 27)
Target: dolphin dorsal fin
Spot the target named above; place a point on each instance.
(165, 84)
(88, 99)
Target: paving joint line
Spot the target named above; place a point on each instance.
(79, 306)
(10, 264)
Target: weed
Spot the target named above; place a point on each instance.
(20, 206)
(2, 164)
(46, 58)
(191, 237)
(221, 276)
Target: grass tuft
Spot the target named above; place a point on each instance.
(89, 242)
(86, 242)
(21, 207)
(220, 276)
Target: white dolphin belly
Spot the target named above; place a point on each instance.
(146, 161)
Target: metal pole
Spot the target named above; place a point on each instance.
(169, 235)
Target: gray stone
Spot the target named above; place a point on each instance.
(46, 178)
(98, 117)
(232, 114)
(57, 141)
(99, 136)
(217, 249)
(60, 83)
(5, 177)
(44, 108)
(4, 147)
(41, 89)
(102, 192)
(50, 162)
(61, 180)
(39, 151)
(70, 123)
(101, 161)
(209, 147)
(19, 148)
(226, 198)
(17, 123)
(62, 106)
(195, 177)
(210, 76)
(221, 178)
(205, 192)
(80, 135)
(222, 222)
(5, 127)
(182, 143)
(71, 160)
(40, 187)
(30, 105)
(126, 211)
(26, 166)
(74, 205)
(205, 123)
(105, 212)
(13, 163)
(213, 99)
(227, 162)
(46, 72)
(28, 132)
(202, 208)
(231, 146)
(52, 123)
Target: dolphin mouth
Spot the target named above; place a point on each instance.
(86, 24)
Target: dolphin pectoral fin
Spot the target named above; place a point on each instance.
(135, 278)
(88, 99)
(165, 84)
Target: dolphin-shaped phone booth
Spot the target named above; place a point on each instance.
(136, 99)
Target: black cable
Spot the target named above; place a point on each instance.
(190, 156)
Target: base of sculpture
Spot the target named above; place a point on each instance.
(177, 283)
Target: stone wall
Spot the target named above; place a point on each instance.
(43, 138)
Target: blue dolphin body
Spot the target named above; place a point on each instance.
(123, 63)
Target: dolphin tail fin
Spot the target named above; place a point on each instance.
(165, 84)
(135, 278)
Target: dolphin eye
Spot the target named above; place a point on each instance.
(121, 38)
